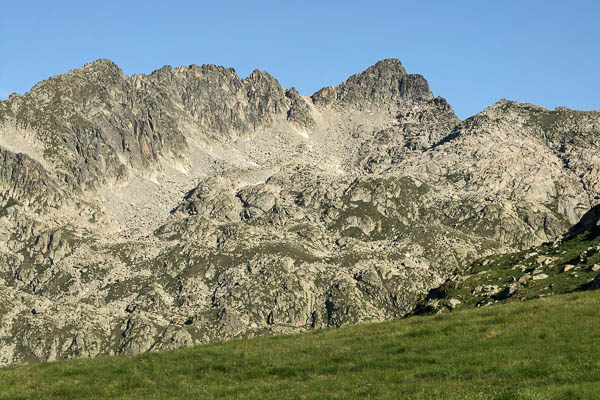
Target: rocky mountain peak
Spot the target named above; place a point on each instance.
(260, 75)
(100, 73)
(390, 68)
(102, 64)
(385, 83)
(265, 84)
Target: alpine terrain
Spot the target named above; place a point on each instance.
(149, 212)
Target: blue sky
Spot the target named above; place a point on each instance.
(472, 52)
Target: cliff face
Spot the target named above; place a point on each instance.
(188, 205)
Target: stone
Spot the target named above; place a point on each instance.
(539, 277)
(451, 304)
(507, 292)
(541, 259)
(567, 268)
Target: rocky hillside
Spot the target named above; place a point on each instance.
(570, 264)
(189, 205)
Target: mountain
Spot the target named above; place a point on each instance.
(189, 205)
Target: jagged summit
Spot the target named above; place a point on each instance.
(390, 68)
(102, 63)
(101, 70)
(134, 122)
(386, 82)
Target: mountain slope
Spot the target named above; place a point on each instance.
(189, 205)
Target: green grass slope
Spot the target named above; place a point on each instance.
(540, 349)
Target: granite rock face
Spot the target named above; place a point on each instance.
(189, 205)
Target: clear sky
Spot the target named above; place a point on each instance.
(472, 52)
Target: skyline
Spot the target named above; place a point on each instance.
(472, 54)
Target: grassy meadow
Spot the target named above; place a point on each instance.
(538, 349)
